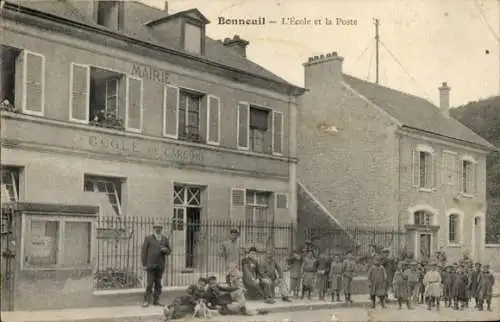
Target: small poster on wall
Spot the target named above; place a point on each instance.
(41, 246)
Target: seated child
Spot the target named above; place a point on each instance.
(185, 304)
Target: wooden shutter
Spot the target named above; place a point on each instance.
(474, 177)
(277, 132)
(434, 170)
(415, 167)
(281, 201)
(213, 120)
(134, 104)
(238, 197)
(460, 187)
(80, 93)
(34, 83)
(243, 125)
(170, 111)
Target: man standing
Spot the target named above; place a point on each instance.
(390, 268)
(154, 249)
(230, 251)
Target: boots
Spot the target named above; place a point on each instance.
(309, 294)
(373, 301)
(489, 305)
(304, 289)
(338, 297)
(400, 303)
(408, 305)
(429, 304)
(346, 297)
(437, 304)
(382, 301)
(349, 295)
(455, 306)
(480, 306)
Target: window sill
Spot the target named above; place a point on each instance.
(428, 190)
(454, 245)
(466, 195)
(56, 269)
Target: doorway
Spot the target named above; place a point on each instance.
(425, 243)
(193, 218)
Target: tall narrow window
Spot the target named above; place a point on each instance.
(258, 217)
(189, 116)
(468, 176)
(193, 38)
(453, 229)
(259, 126)
(8, 74)
(424, 172)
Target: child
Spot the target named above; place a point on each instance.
(473, 283)
(400, 286)
(349, 270)
(377, 277)
(432, 283)
(336, 271)
(412, 274)
(447, 280)
(485, 283)
(185, 304)
(220, 296)
(294, 262)
(421, 287)
(459, 288)
(309, 269)
(322, 275)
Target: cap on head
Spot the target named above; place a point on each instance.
(157, 224)
(235, 231)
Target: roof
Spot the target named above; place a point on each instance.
(137, 15)
(194, 13)
(415, 112)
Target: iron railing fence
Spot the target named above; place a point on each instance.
(196, 248)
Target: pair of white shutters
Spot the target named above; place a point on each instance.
(243, 128)
(80, 98)
(171, 97)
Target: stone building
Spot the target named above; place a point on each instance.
(135, 110)
(372, 156)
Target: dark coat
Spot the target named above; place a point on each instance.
(219, 295)
(377, 279)
(447, 280)
(152, 255)
(271, 269)
(459, 290)
(294, 262)
(473, 282)
(485, 286)
(400, 285)
(390, 268)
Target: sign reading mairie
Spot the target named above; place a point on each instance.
(150, 73)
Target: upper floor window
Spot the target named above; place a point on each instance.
(259, 127)
(109, 192)
(109, 15)
(423, 168)
(468, 176)
(189, 116)
(193, 38)
(22, 81)
(422, 218)
(453, 229)
(105, 98)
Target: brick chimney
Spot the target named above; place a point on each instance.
(165, 6)
(237, 44)
(323, 70)
(444, 99)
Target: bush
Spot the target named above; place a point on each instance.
(116, 279)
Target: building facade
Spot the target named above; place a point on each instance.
(137, 111)
(373, 156)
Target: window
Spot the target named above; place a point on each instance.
(189, 116)
(468, 176)
(259, 127)
(107, 106)
(258, 217)
(453, 229)
(108, 191)
(423, 168)
(53, 242)
(422, 218)
(8, 74)
(185, 197)
(108, 14)
(193, 38)
(9, 184)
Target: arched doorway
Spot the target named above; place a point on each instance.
(422, 232)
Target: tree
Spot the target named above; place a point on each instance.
(483, 117)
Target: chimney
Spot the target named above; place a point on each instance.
(237, 44)
(444, 99)
(323, 70)
(165, 6)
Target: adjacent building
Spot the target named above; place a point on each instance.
(372, 156)
(135, 110)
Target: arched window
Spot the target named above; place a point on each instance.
(453, 229)
(422, 218)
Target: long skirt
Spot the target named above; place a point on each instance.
(308, 281)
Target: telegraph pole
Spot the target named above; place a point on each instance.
(377, 39)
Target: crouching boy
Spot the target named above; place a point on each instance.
(185, 304)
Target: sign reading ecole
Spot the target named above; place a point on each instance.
(150, 73)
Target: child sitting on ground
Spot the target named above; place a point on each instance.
(185, 304)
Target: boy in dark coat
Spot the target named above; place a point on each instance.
(348, 271)
(322, 275)
(485, 283)
(447, 280)
(377, 279)
(309, 269)
(294, 262)
(473, 283)
(336, 272)
(400, 286)
(412, 275)
(459, 290)
(421, 288)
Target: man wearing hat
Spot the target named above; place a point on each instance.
(349, 271)
(377, 280)
(390, 267)
(230, 251)
(154, 249)
(486, 280)
(474, 276)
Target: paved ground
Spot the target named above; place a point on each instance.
(366, 314)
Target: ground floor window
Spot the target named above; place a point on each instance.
(52, 242)
(258, 217)
(109, 192)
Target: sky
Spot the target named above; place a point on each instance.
(422, 42)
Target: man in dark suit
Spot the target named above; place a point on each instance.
(154, 249)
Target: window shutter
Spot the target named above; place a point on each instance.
(213, 120)
(416, 168)
(434, 170)
(134, 104)
(460, 184)
(474, 177)
(34, 83)
(237, 197)
(80, 93)
(170, 111)
(277, 132)
(281, 201)
(243, 124)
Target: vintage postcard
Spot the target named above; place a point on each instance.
(266, 160)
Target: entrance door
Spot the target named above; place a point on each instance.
(192, 236)
(425, 245)
(477, 238)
